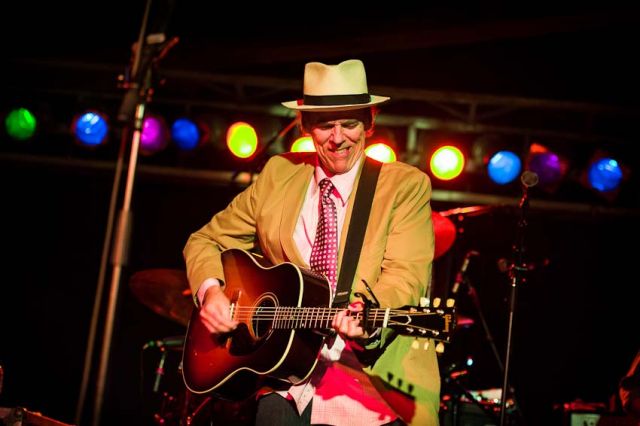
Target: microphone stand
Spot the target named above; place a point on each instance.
(485, 327)
(516, 274)
(473, 294)
(139, 92)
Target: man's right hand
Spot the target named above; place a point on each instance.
(215, 311)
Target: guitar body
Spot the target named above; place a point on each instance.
(233, 363)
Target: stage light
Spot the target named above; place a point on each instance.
(303, 144)
(493, 154)
(154, 136)
(605, 175)
(20, 124)
(504, 166)
(242, 139)
(90, 128)
(550, 167)
(447, 162)
(185, 133)
(381, 152)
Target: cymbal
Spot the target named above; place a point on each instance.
(445, 233)
(165, 291)
(463, 321)
(468, 211)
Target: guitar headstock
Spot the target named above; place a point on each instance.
(429, 320)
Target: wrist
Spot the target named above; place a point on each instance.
(208, 284)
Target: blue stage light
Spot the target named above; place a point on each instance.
(185, 133)
(605, 175)
(504, 167)
(91, 128)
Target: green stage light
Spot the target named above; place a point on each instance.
(20, 124)
(242, 139)
(447, 162)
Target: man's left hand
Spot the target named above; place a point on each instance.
(347, 325)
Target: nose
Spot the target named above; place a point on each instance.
(336, 132)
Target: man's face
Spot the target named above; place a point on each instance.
(339, 144)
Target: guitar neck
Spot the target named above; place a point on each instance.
(422, 322)
(316, 318)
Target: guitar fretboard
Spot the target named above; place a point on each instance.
(288, 318)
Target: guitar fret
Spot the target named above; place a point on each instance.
(276, 317)
(281, 318)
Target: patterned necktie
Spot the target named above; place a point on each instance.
(324, 254)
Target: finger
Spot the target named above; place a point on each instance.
(209, 323)
(356, 306)
(343, 325)
(223, 319)
(337, 319)
(351, 328)
(216, 318)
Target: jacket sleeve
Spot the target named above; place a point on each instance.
(233, 227)
(406, 264)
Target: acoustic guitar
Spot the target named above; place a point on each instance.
(283, 313)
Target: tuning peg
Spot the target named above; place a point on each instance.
(440, 347)
(424, 302)
(451, 303)
(436, 302)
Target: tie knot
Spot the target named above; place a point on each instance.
(326, 186)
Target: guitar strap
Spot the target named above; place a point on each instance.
(357, 229)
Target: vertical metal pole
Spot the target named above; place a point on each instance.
(120, 243)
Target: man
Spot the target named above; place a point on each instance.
(283, 214)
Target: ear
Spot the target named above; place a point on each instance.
(300, 123)
(369, 132)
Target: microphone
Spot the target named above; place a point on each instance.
(167, 342)
(151, 46)
(460, 276)
(528, 179)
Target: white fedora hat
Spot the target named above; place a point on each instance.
(339, 87)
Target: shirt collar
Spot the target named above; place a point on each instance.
(343, 183)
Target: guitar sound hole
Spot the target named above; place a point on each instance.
(263, 317)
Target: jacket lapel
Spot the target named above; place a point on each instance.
(294, 198)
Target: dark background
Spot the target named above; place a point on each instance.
(575, 331)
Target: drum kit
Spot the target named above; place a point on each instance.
(166, 292)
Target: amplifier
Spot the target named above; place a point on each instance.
(463, 413)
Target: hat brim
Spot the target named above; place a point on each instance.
(374, 101)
